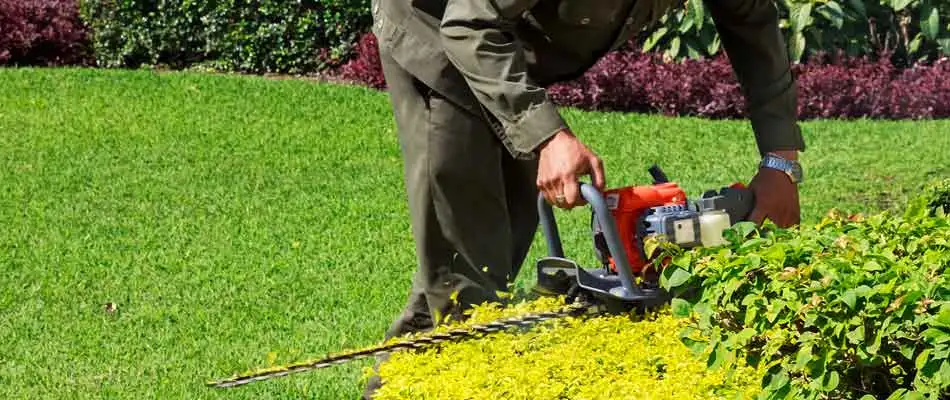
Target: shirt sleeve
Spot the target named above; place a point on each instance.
(478, 38)
(756, 49)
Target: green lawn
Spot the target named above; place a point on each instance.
(235, 220)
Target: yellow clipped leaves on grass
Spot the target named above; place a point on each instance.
(606, 357)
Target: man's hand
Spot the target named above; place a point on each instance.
(563, 159)
(776, 196)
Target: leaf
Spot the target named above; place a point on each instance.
(674, 46)
(944, 46)
(922, 359)
(751, 313)
(898, 5)
(686, 26)
(850, 298)
(684, 260)
(674, 276)
(832, 12)
(856, 336)
(897, 394)
(800, 17)
(858, 6)
(705, 314)
(864, 291)
(654, 39)
(803, 357)
(696, 346)
(713, 46)
(680, 307)
(796, 46)
(742, 338)
(650, 245)
(743, 229)
(943, 318)
(698, 11)
(907, 350)
(832, 381)
(929, 20)
(752, 243)
(774, 310)
(935, 336)
(944, 371)
(873, 266)
(692, 50)
(716, 357)
(777, 381)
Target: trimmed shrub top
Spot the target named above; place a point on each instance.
(601, 358)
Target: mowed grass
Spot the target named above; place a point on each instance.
(238, 221)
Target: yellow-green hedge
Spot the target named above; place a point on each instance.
(615, 357)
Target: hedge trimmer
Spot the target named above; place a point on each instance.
(622, 221)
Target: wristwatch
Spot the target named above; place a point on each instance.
(791, 168)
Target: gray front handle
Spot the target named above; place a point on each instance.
(596, 200)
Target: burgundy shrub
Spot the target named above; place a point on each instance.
(364, 67)
(828, 87)
(634, 81)
(844, 88)
(42, 32)
(613, 84)
(925, 92)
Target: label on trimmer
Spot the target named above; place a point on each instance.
(612, 200)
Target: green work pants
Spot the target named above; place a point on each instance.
(472, 205)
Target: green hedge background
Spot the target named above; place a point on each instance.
(310, 36)
(234, 35)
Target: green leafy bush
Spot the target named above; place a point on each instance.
(938, 196)
(910, 30)
(231, 35)
(853, 308)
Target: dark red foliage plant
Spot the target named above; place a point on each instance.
(42, 32)
(364, 68)
(828, 86)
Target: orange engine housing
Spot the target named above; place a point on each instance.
(627, 205)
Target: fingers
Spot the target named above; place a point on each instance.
(786, 219)
(563, 190)
(597, 172)
(571, 190)
(757, 216)
(546, 188)
(789, 218)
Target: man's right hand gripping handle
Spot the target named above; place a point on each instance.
(562, 160)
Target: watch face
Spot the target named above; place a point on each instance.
(796, 171)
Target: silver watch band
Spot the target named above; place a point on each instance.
(791, 168)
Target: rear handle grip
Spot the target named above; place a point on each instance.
(596, 200)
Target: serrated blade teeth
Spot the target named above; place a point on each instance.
(415, 343)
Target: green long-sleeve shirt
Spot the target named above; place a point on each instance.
(505, 52)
